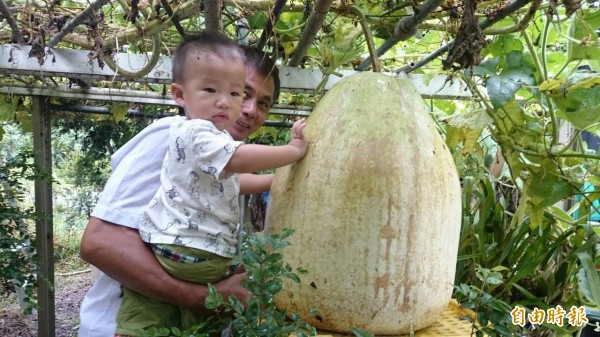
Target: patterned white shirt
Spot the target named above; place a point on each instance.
(196, 204)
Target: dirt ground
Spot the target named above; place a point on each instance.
(70, 290)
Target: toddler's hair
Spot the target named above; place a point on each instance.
(205, 42)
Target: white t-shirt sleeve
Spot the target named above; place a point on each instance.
(211, 149)
(135, 177)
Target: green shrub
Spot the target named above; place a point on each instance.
(18, 259)
(263, 262)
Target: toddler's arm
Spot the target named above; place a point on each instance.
(249, 158)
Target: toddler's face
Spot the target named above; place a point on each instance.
(212, 89)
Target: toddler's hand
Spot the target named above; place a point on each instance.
(299, 139)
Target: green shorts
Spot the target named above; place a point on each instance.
(140, 312)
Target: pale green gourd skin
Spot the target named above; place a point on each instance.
(376, 206)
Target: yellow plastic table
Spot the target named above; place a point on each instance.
(454, 322)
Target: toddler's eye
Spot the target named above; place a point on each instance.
(235, 93)
(209, 89)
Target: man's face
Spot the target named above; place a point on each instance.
(255, 107)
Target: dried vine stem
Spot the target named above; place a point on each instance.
(76, 21)
(146, 69)
(510, 8)
(314, 23)
(16, 34)
(156, 41)
(273, 17)
(174, 18)
(465, 52)
(212, 15)
(182, 11)
(369, 38)
(535, 4)
(407, 26)
(151, 27)
(404, 29)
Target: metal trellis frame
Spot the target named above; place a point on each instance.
(76, 64)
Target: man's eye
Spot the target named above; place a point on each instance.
(264, 105)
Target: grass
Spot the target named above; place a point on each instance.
(68, 229)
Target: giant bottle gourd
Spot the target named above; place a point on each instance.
(376, 208)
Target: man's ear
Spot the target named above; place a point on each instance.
(177, 94)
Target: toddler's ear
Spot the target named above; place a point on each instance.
(177, 94)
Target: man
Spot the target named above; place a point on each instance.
(111, 240)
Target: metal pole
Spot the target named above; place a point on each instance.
(43, 208)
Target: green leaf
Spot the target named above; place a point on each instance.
(475, 119)
(258, 20)
(516, 73)
(555, 61)
(595, 65)
(536, 217)
(119, 111)
(214, 299)
(590, 278)
(550, 84)
(524, 291)
(487, 67)
(560, 214)
(360, 333)
(579, 101)
(345, 36)
(294, 278)
(583, 97)
(445, 105)
(522, 210)
(503, 45)
(466, 139)
(2, 132)
(582, 28)
(546, 187)
(176, 331)
(7, 108)
(512, 116)
(24, 119)
(584, 118)
(583, 79)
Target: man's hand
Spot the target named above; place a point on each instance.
(232, 286)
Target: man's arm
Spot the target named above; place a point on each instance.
(255, 183)
(121, 254)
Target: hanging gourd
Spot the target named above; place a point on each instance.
(376, 209)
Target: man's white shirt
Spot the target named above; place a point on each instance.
(134, 181)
